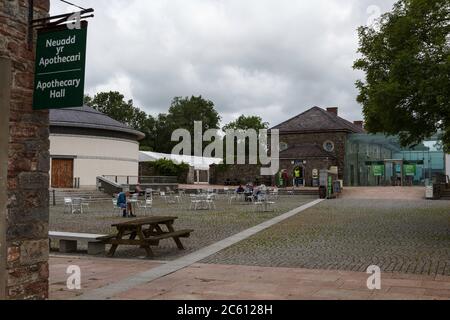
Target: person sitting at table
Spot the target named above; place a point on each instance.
(124, 204)
(260, 191)
(248, 191)
(240, 189)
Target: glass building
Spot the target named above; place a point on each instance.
(378, 160)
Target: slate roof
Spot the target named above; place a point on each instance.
(305, 150)
(317, 120)
(87, 117)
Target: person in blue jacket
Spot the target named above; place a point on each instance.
(123, 204)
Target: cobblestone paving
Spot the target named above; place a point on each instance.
(399, 236)
(210, 226)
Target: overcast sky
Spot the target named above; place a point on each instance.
(273, 58)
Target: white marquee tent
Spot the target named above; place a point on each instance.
(198, 164)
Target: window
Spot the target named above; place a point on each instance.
(328, 146)
(283, 146)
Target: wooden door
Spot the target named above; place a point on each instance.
(62, 173)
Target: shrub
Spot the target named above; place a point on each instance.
(164, 167)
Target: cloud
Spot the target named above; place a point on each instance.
(273, 58)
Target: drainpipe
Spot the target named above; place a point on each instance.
(5, 96)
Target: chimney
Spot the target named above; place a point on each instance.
(359, 124)
(333, 110)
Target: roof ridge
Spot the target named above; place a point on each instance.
(91, 110)
(89, 117)
(310, 109)
(339, 123)
(345, 122)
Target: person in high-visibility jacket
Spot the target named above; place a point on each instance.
(297, 176)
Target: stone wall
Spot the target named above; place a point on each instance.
(28, 161)
(338, 138)
(238, 174)
(309, 166)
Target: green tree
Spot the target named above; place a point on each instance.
(113, 104)
(182, 114)
(407, 65)
(246, 123)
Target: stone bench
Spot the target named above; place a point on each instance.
(68, 242)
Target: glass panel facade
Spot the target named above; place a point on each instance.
(376, 160)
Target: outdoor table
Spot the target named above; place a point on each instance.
(144, 233)
(204, 201)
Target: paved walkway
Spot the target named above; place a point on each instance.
(223, 282)
(117, 287)
(405, 236)
(381, 193)
(340, 237)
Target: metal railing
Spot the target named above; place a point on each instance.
(76, 183)
(134, 180)
(158, 180)
(108, 186)
(122, 180)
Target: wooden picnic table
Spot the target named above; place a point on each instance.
(145, 233)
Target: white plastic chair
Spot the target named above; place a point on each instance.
(115, 207)
(195, 203)
(148, 193)
(67, 204)
(232, 198)
(146, 205)
(77, 206)
(210, 202)
(167, 199)
(85, 205)
(274, 194)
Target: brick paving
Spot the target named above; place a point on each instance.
(222, 282)
(210, 226)
(380, 193)
(401, 236)
(321, 253)
(95, 273)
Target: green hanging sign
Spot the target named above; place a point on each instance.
(410, 170)
(60, 67)
(378, 170)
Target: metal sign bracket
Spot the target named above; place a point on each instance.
(53, 21)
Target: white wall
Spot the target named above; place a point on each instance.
(97, 156)
(447, 164)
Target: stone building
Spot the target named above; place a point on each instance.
(314, 140)
(85, 144)
(24, 160)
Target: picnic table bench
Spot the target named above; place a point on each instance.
(68, 241)
(145, 233)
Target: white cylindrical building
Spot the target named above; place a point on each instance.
(85, 144)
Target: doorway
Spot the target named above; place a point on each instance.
(62, 173)
(394, 173)
(299, 176)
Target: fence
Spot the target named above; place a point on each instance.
(123, 180)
